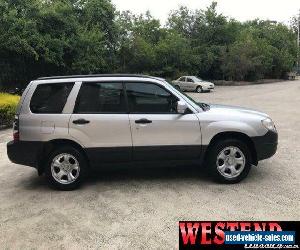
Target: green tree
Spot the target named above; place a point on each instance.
(55, 37)
(174, 56)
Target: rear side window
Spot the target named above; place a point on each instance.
(50, 98)
(101, 98)
(149, 98)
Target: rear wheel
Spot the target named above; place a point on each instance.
(199, 89)
(177, 87)
(66, 168)
(229, 161)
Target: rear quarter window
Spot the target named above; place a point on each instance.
(50, 98)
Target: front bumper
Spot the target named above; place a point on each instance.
(24, 152)
(266, 145)
(208, 88)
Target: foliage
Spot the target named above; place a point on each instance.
(8, 105)
(53, 37)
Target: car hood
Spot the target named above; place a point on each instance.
(228, 110)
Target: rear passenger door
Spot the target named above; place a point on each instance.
(158, 131)
(100, 122)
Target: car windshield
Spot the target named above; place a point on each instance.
(203, 106)
(190, 98)
(197, 79)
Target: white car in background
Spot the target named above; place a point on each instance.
(193, 83)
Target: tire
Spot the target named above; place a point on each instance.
(73, 169)
(241, 161)
(177, 87)
(199, 89)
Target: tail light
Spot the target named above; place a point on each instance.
(16, 133)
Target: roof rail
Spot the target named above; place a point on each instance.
(94, 75)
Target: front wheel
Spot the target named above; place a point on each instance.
(177, 87)
(229, 161)
(199, 89)
(65, 168)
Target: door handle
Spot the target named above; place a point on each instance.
(143, 121)
(81, 121)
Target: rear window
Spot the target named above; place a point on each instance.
(50, 98)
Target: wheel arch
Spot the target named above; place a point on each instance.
(235, 135)
(51, 145)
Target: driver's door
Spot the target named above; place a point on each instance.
(158, 131)
(190, 84)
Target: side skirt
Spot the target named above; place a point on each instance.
(146, 164)
(145, 156)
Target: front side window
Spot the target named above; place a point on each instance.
(182, 79)
(101, 98)
(149, 98)
(189, 80)
(50, 98)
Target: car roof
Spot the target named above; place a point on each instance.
(97, 76)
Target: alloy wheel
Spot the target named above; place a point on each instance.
(65, 168)
(231, 162)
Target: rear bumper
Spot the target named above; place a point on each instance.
(24, 152)
(266, 145)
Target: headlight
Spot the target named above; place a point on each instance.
(269, 124)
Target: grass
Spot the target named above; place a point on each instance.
(8, 105)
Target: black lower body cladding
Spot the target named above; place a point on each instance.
(143, 154)
(29, 153)
(24, 152)
(266, 145)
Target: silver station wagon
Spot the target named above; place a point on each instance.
(67, 126)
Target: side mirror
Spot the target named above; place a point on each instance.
(181, 107)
